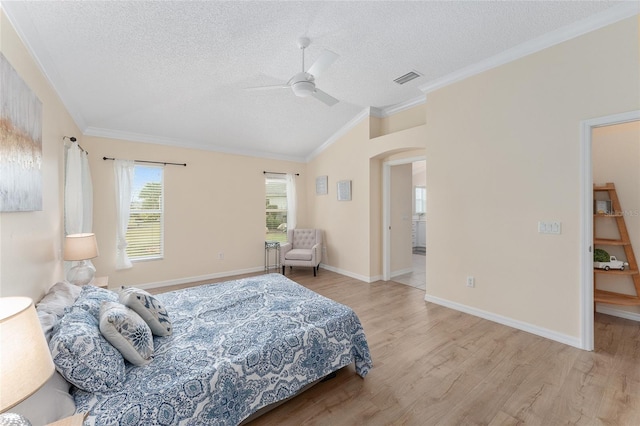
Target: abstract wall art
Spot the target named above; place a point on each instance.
(20, 143)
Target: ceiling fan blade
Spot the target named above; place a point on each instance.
(323, 62)
(325, 97)
(277, 86)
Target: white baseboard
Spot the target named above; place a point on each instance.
(401, 272)
(616, 312)
(200, 278)
(350, 274)
(520, 325)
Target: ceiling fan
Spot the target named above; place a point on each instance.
(303, 83)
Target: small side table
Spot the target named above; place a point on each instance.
(270, 246)
(75, 420)
(101, 282)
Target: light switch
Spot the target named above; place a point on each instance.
(554, 227)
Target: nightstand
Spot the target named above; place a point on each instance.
(75, 420)
(101, 282)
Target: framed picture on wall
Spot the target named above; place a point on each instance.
(344, 190)
(321, 185)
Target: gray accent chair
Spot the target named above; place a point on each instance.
(303, 248)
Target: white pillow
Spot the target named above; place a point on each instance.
(125, 330)
(50, 403)
(149, 308)
(60, 296)
(51, 307)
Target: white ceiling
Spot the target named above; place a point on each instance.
(175, 72)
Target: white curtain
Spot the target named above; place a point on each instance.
(78, 195)
(123, 171)
(87, 195)
(291, 201)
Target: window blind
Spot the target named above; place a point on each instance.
(145, 232)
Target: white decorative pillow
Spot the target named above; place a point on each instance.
(149, 308)
(125, 330)
(83, 356)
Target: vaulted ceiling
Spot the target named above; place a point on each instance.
(177, 72)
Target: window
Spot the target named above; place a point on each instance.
(276, 208)
(145, 229)
(420, 199)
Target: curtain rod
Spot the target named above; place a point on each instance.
(73, 139)
(278, 173)
(152, 162)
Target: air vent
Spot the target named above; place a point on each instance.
(411, 75)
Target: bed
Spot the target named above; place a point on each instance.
(232, 350)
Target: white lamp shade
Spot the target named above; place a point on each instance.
(80, 246)
(25, 360)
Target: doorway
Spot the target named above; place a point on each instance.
(587, 135)
(404, 218)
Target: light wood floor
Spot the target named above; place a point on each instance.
(436, 366)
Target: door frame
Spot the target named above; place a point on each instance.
(586, 217)
(386, 210)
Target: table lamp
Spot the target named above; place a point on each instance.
(25, 360)
(80, 247)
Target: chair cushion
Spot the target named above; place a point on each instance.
(298, 254)
(304, 238)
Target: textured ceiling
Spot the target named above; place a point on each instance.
(175, 72)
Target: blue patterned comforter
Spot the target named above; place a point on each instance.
(236, 347)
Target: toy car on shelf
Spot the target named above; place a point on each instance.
(613, 263)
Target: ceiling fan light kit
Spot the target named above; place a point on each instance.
(303, 83)
(303, 88)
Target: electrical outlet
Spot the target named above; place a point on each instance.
(471, 282)
(221, 256)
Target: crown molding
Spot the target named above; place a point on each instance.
(399, 107)
(608, 17)
(159, 140)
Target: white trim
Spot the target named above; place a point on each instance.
(399, 107)
(613, 311)
(609, 16)
(350, 274)
(365, 113)
(401, 272)
(160, 140)
(586, 240)
(586, 222)
(510, 322)
(386, 221)
(179, 281)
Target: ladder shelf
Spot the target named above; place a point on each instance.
(610, 297)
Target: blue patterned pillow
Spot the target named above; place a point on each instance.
(82, 355)
(125, 330)
(149, 308)
(91, 298)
